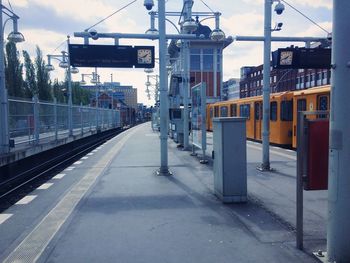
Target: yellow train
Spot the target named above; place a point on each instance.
(283, 112)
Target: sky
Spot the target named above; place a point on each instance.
(46, 23)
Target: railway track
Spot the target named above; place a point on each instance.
(18, 180)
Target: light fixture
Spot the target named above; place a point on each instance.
(148, 83)
(49, 67)
(148, 70)
(217, 35)
(74, 70)
(190, 25)
(178, 43)
(63, 64)
(152, 31)
(15, 36)
(82, 82)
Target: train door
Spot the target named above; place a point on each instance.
(257, 120)
(301, 106)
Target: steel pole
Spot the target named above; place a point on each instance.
(4, 131)
(266, 89)
(186, 86)
(338, 239)
(163, 91)
(70, 102)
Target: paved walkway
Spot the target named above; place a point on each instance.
(120, 211)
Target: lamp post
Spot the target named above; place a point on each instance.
(16, 37)
(265, 166)
(338, 245)
(156, 86)
(64, 62)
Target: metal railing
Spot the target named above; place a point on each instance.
(33, 122)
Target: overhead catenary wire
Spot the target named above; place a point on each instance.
(308, 18)
(8, 1)
(63, 42)
(207, 6)
(104, 19)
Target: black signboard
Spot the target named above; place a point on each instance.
(107, 56)
(302, 58)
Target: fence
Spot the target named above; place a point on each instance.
(33, 122)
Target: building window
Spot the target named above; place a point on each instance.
(208, 59)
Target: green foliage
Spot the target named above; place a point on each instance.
(31, 87)
(42, 77)
(13, 71)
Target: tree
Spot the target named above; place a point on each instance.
(42, 77)
(31, 87)
(58, 91)
(13, 71)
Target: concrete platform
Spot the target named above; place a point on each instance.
(118, 210)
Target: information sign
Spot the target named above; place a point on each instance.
(302, 58)
(108, 56)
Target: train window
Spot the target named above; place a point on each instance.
(233, 110)
(216, 111)
(273, 111)
(244, 111)
(258, 111)
(223, 111)
(287, 110)
(322, 105)
(301, 105)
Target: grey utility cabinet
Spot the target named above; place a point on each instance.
(230, 159)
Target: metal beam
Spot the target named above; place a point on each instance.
(136, 36)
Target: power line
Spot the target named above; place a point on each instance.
(207, 6)
(59, 46)
(111, 15)
(308, 18)
(10, 5)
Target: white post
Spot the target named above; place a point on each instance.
(163, 91)
(266, 89)
(4, 131)
(338, 238)
(70, 102)
(55, 117)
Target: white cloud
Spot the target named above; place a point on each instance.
(20, 3)
(243, 24)
(315, 3)
(314, 30)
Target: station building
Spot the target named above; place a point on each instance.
(206, 60)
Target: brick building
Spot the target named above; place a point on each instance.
(281, 80)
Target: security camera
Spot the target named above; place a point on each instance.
(93, 34)
(279, 8)
(148, 4)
